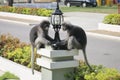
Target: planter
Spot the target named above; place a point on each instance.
(56, 63)
(21, 71)
(109, 27)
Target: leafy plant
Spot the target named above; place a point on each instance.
(116, 19)
(43, 12)
(8, 75)
(18, 10)
(13, 49)
(33, 11)
(108, 19)
(104, 74)
(22, 56)
(100, 73)
(28, 11)
(9, 43)
(112, 19)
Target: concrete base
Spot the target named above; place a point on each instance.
(56, 74)
(109, 27)
(56, 63)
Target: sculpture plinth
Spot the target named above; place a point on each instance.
(56, 63)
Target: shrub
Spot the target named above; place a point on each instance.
(8, 75)
(108, 19)
(104, 74)
(33, 11)
(116, 19)
(22, 56)
(18, 10)
(13, 49)
(112, 19)
(4, 8)
(28, 11)
(100, 73)
(9, 43)
(43, 12)
(12, 9)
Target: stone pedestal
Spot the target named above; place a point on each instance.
(56, 63)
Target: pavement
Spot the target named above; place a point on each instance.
(21, 71)
(28, 20)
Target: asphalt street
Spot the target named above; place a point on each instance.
(88, 21)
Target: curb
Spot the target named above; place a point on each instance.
(21, 71)
(22, 16)
(20, 22)
(109, 27)
(103, 35)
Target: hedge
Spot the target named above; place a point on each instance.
(100, 73)
(13, 49)
(27, 11)
(112, 19)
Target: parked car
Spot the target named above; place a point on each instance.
(83, 3)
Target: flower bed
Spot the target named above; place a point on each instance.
(28, 11)
(19, 52)
(111, 22)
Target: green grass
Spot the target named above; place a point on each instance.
(101, 9)
(8, 75)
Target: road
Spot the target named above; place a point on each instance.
(100, 50)
(87, 21)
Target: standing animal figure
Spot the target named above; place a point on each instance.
(39, 38)
(76, 39)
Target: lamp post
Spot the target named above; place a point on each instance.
(56, 21)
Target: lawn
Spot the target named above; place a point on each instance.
(101, 9)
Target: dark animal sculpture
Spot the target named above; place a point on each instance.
(76, 39)
(39, 38)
